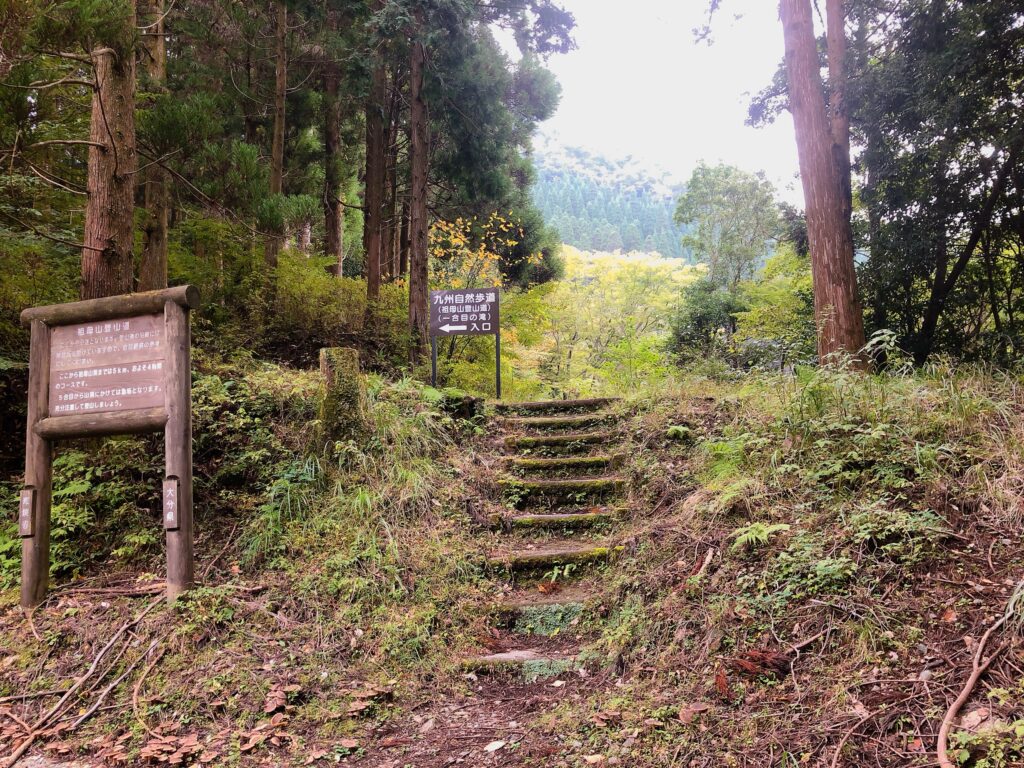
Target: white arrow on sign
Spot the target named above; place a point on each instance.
(449, 328)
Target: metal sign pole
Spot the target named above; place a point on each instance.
(433, 361)
(497, 363)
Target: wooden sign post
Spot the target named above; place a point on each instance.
(111, 366)
(469, 312)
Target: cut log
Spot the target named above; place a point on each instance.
(531, 665)
(557, 406)
(567, 441)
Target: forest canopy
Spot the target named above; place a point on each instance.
(204, 141)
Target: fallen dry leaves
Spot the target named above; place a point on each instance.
(689, 712)
(367, 696)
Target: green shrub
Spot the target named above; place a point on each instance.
(904, 535)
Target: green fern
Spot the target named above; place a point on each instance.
(756, 535)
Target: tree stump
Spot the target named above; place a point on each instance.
(343, 409)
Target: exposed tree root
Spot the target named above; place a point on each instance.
(978, 667)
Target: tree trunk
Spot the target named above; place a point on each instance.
(390, 218)
(837, 310)
(403, 240)
(418, 160)
(274, 241)
(107, 257)
(373, 198)
(153, 269)
(334, 212)
(305, 239)
(1001, 348)
(839, 116)
(250, 118)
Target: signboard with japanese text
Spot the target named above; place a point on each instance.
(116, 365)
(469, 312)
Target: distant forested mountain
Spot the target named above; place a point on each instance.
(600, 204)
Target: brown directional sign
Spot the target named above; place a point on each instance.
(469, 312)
(116, 365)
(171, 488)
(26, 510)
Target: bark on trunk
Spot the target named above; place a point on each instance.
(274, 241)
(837, 310)
(404, 241)
(153, 269)
(390, 218)
(107, 258)
(418, 160)
(839, 116)
(373, 198)
(993, 300)
(251, 119)
(305, 238)
(333, 210)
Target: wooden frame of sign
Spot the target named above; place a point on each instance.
(111, 366)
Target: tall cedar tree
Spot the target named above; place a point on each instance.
(334, 213)
(418, 156)
(276, 240)
(107, 259)
(376, 147)
(153, 267)
(824, 173)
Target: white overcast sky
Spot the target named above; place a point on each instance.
(640, 85)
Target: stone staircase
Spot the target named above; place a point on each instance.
(564, 499)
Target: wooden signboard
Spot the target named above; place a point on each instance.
(466, 312)
(118, 365)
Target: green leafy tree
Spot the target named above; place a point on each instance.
(779, 318)
(733, 218)
(705, 321)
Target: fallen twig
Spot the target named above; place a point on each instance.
(31, 624)
(978, 667)
(143, 591)
(804, 643)
(40, 725)
(25, 726)
(106, 691)
(33, 695)
(219, 555)
(138, 689)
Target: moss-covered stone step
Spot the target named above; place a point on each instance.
(555, 423)
(566, 464)
(531, 665)
(557, 406)
(549, 556)
(520, 491)
(565, 441)
(568, 520)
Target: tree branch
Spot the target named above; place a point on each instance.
(51, 142)
(28, 226)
